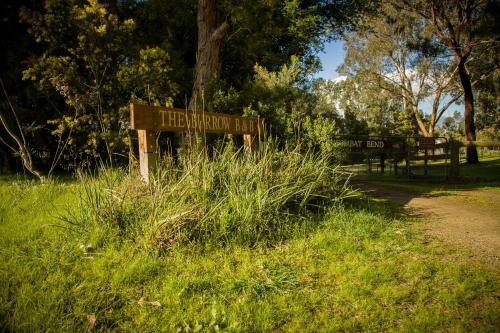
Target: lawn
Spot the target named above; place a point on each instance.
(485, 175)
(360, 266)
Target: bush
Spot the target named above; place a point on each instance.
(230, 197)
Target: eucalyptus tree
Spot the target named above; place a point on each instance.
(385, 53)
(365, 109)
(234, 35)
(466, 29)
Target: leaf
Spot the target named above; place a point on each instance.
(142, 302)
(90, 320)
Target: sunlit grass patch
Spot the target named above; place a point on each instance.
(359, 266)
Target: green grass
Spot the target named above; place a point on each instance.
(485, 175)
(488, 170)
(359, 266)
(428, 186)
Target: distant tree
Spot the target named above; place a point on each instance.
(466, 29)
(384, 54)
(365, 109)
(452, 124)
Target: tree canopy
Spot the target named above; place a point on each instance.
(72, 66)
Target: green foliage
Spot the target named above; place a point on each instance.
(353, 125)
(320, 132)
(488, 110)
(148, 80)
(453, 125)
(81, 65)
(283, 29)
(91, 65)
(277, 97)
(404, 124)
(294, 110)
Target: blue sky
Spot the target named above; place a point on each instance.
(331, 58)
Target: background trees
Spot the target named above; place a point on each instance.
(466, 28)
(394, 52)
(85, 46)
(92, 56)
(83, 60)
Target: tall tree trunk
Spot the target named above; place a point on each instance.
(208, 63)
(419, 120)
(470, 128)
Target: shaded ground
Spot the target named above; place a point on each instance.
(469, 219)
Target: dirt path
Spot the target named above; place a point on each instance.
(469, 219)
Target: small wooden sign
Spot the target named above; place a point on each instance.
(154, 118)
(148, 120)
(426, 142)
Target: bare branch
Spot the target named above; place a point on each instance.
(447, 105)
(9, 146)
(23, 149)
(12, 109)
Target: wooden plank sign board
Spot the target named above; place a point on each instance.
(370, 144)
(148, 120)
(154, 118)
(426, 142)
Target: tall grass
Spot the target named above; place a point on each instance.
(230, 196)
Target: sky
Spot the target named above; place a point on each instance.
(333, 56)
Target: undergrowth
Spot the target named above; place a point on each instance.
(230, 196)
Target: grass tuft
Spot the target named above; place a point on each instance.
(228, 197)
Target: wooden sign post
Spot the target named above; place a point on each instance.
(148, 120)
(426, 143)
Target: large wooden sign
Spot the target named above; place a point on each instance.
(148, 120)
(154, 118)
(364, 143)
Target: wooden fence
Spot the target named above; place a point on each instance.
(455, 152)
(447, 151)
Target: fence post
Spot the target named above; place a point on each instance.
(407, 160)
(369, 162)
(147, 153)
(454, 159)
(248, 142)
(382, 162)
(426, 161)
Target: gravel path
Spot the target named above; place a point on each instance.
(467, 218)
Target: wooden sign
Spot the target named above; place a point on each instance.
(154, 118)
(426, 142)
(148, 120)
(369, 144)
